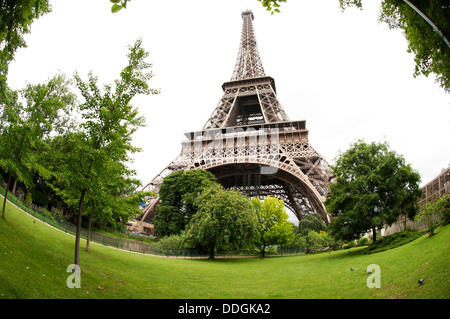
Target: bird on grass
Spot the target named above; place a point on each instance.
(421, 281)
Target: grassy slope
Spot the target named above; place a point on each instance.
(34, 258)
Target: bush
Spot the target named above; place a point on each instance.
(314, 241)
(363, 241)
(39, 198)
(429, 216)
(47, 216)
(28, 200)
(443, 207)
(299, 242)
(172, 242)
(310, 222)
(392, 241)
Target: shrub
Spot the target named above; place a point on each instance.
(363, 241)
(299, 242)
(443, 207)
(47, 216)
(310, 222)
(429, 216)
(314, 241)
(392, 241)
(28, 200)
(172, 242)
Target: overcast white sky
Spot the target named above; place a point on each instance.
(347, 75)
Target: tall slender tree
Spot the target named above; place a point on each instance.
(105, 136)
(273, 222)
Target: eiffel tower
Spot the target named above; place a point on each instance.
(250, 144)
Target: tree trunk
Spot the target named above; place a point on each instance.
(78, 234)
(14, 187)
(263, 250)
(10, 176)
(374, 234)
(211, 252)
(6, 194)
(89, 230)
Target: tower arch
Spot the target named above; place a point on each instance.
(249, 143)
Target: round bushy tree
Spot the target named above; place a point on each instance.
(369, 192)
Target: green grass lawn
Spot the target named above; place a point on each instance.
(34, 258)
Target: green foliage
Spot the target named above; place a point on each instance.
(91, 162)
(120, 273)
(315, 241)
(273, 221)
(47, 216)
(364, 241)
(430, 217)
(310, 222)
(443, 207)
(16, 18)
(271, 5)
(392, 241)
(29, 120)
(173, 242)
(224, 220)
(178, 194)
(28, 199)
(346, 246)
(118, 5)
(370, 190)
(39, 198)
(299, 242)
(431, 52)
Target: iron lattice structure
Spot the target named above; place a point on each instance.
(250, 144)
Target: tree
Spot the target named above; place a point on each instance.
(370, 185)
(429, 217)
(434, 213)
(16, 18)
(27, 126)
(408, 204)
(117, 200)
(273, 222)
(426, 25)
(224, 220)
(443, 207)
(118, 5)
(310, 222)
(272, 5)
(314, 241)
(177, 194)
(104, 137)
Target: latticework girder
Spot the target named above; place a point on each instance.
(250, 144)
(248, 63)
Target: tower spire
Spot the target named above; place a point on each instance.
(250, 144)
(248, 63)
